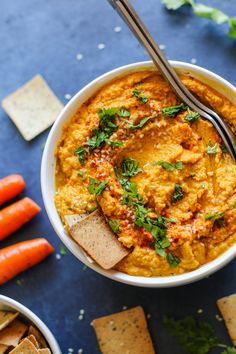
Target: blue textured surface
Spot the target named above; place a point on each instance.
(45, 37)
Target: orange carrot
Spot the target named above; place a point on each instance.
(16, 215)
(21, 256)
(10, 187)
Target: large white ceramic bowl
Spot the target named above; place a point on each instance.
(8, 304)
(48, 176)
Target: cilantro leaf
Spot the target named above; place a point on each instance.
(114, 225)
(211, 150)
(142, 122)
(130, 167)
(115, 143)
(63, 250)
(232, 27)
(176, 4)
(192, 117)
(81, 153)
(123, 112)
(172, 111)
(179, 165)
(210, 12)
(95, 187)
(178, 194)
(166, 165)
(229, 350)
(214, 216)
(172, 260)
(137, 93)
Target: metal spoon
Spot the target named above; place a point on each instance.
(129, 15)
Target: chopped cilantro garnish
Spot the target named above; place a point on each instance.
(172, 111)
(92, 209)
(179, 165)
(195, 337)
(224, 149)
(142, 122)
(115, 143)
(211, 150)
(233, 206)
(81, 173)
(192, 117)
(63, 250)
(114, 225)
(123, 112)
(178, 194)
(130, 167)
(137, 93)
(173, 260)
(166, 165)
(95, 187)
(81, 153)
(214, 216)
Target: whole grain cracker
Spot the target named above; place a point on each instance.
(12, 334)
(124, 332)
(25, 347)
(3, 348)
(96, 238)
(33, 107)
(38, 335)
(227, 307)
(44, 351)
(6, 318)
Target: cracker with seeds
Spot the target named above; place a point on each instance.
(96, 238)
(124, 332)
(12, 334)
(33, 107)
(6, 318)
(227, 307)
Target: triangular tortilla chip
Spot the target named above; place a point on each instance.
(25, 347)
(96, 238)
(12, 334)
(39, 337)
(124, 332)
(6, 318)
(3, 348)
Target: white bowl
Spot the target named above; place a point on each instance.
(8, 304)
(48, 176)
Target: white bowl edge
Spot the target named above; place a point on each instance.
(48, 180)
(7, 303)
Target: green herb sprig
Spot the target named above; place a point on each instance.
(178, 194)
(169, 166)
(138, 94)
(173, 111)
(96, 187)
(203, 10)
(141, 124)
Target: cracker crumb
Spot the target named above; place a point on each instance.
(101, 46)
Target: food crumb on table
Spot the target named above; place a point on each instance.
(67, 96)
(200, 311)
(219, 318)
(101, 46)
(79, 56)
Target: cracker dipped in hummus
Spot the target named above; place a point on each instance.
(160, 173)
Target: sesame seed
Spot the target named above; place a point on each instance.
(67, 96)
(82, 312)
(81, 317)
(219, 318)
(101, 46)
(79, 56)
(162, 46)
(124, 308)
(70, 350)
(117, 29)
(149, 315)
(199, 311)
(80, 351)
(194, 61)
(58, 256)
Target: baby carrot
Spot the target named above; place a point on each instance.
(10, 187)
(21, 256)
(16, 215)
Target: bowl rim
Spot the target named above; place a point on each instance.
(48, 156)
(34, 319)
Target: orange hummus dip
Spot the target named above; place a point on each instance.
(159, 172)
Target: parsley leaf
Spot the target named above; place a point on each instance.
(123, 112)
(192, 117)
(114, 225)
(137, 93)
(172, 111)
(172, 260)
(81, 153)
(142, 122)
(95, 187)
(178, 194)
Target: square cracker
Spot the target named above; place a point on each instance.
(12, 334)
(33, 107)
(6, 318)
(96, 238)
(25, 347)
(44, 351)
(125, 332)
(33, 340)
(227, 307)
(38, 336)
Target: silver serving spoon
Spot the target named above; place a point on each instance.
(129, 15)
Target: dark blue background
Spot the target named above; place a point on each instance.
(45, 37)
